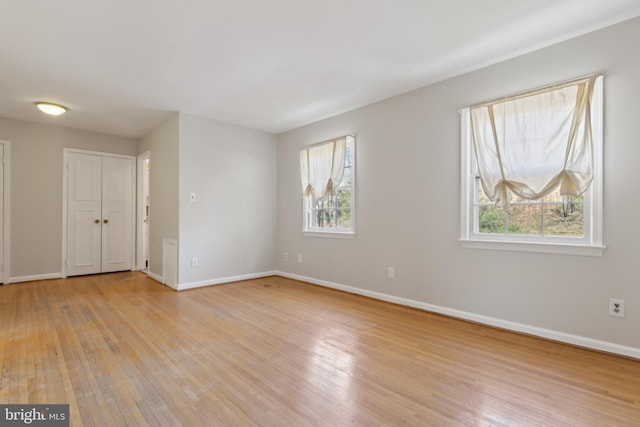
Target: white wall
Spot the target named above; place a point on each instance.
(231, 228)
(36, 190)
(162, 143)
(408, 204)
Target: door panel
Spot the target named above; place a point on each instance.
(117, 210)
(87, 184)
(115, 242)
(83, 210)
(2, 203)
(85, 249)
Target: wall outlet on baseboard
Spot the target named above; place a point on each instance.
(300, 258)
(391, 272)
(616, 307)
(285, 257)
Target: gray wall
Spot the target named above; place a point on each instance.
(231, 227)
(407, 200)
(162, 144)
(36, 190)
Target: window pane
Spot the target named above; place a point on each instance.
(330, 218)
(490, 219)
(347, 179)
(561, 220)
(525, 219)
(318, 214)
(482, 197)
(344, 218)
(348, 161)
(324, 218)
(317, 218)
(344, 199)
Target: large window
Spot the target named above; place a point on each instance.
(531, 171)
(328, 183)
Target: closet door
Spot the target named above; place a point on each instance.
(84, 214)
(100, 213)
(2, 204)
(117, 213)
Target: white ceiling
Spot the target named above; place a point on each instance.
(122, 66)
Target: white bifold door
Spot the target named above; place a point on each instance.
(100, 213)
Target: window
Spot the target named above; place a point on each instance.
(328, 175)
(531, 172)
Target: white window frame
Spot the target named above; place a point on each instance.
(336, 233)
(589, 245)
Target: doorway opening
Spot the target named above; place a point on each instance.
(5, 210)
(144, 167)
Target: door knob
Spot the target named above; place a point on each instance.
(106, 221)
(97, 221)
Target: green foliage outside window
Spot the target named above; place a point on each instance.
(551, 217)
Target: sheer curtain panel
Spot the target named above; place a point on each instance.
(533, 143)
(322, 168)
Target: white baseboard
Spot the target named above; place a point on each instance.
(155, 276)
(478, 318)
(160, 279)
(218, 281)
(48, 276)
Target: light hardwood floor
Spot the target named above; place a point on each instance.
(122, 350)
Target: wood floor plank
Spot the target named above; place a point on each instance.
(123, 350)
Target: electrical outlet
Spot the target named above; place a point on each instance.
(391, 272)
(285, 257)
(194, 262)
(616, 307)
(300, 258)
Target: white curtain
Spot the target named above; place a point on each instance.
(322, 168)
(533, 143)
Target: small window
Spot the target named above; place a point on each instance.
(328, 181)
(536, 203)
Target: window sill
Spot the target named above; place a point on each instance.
(543, 248)
(330, 234)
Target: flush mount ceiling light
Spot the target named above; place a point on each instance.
(50, 108)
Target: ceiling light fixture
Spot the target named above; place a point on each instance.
(50, 108)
